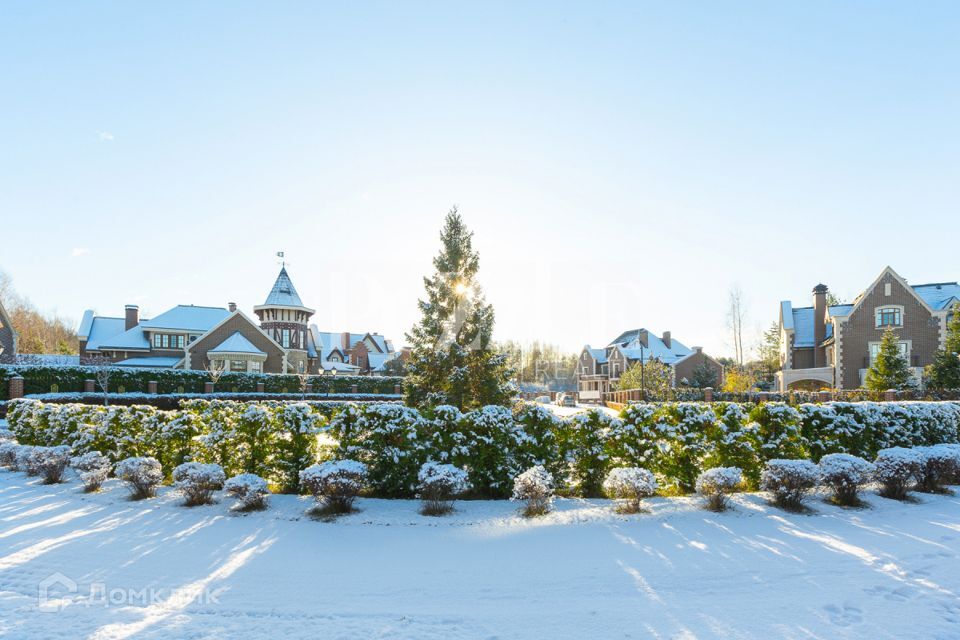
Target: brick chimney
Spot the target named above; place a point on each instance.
(644, 340)
(666, 340)
(232, 306)
(131, 316)
(345, 341)
(819, 325)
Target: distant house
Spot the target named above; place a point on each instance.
(192, 337)
(8, 337)
(832, 346)
(598, 370)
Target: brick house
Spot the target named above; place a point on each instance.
(598, 370)
(8, 337)
(832, 346)
(191, 337)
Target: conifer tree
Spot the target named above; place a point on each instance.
(452, 360)
(890, 370)
(944, 373)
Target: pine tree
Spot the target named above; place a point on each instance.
(704, 376)
(452, 361)
(890, 369)
(944, 373)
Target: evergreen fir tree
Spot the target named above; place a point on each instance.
(944, 373)
(704, 376)
(890, 369)
(452, 360)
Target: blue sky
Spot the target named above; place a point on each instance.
(622, 164)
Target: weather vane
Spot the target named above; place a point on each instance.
(283, 262)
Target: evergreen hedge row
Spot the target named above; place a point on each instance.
(63, 379)
(494, 444)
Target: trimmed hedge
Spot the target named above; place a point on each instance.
(70, 379)
(676, 441)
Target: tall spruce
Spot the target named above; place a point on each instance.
(889, 370)
(452, 360)
(944, 373)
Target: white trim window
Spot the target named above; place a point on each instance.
(904, 346)
(286, 338)
(891, 316)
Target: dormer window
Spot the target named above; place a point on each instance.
(889, 317)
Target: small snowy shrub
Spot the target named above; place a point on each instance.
(336, 483)
(629, 485)
(26, 461)
(93, 467)
(845, 475)
(51, 462)
(895, 469)
(438, 485)
(789, 481)
(142, 476)
(715, 484)
(198, 481)
(535, 486)
(8, 454)
(937, 464)
(250, 491)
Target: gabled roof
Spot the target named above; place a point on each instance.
(135, 338)
(237, 343)
(283, 294)
(187, 317)
(630, 345)
(939, 295)
(599, 355)
(101, 328)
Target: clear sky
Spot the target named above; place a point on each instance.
(621, 164)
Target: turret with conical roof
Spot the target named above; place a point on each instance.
(283, 316)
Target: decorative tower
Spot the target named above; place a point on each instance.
(284, 318)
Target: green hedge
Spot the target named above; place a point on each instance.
(676, 441)
(65, 379)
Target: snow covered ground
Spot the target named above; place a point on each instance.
(154, 569)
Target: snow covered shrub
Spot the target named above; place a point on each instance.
(8, 454)
(535, 486)
(717, 483)
(250, 490)
(583, 443)
(438, 485)
(142, 476)
(336, 483)
(679, 432)
(845, 475)
(493, 444)
(26, 460)
(93, 467)
(51, 462)
(299, 426)
(537, 438)
(629, 485)
(895, 469)
(732, 442)
(255, 439)
(779, 431)
(937, 464)
(789, 481)
(198, 481)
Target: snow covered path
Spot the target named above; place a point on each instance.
(890, 571)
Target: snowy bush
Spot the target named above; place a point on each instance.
(93, 467)
(250, 490)
(629, 485)
(51, 462)
(535, 486)
(789, 481)
(896, 469)
(937, 464)
(716, 484)
(26, 461)
(845, 475)
(336, 483)
(198, 481)
(438, 485)
(142, 475)
(8, 454)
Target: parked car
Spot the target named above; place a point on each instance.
(542, 399)
(566, 400)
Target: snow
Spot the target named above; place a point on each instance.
(889, 571)
(237, 343)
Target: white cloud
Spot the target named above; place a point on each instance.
(106, 136)
(79, 251)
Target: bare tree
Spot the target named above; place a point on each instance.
(736, 314)
(102, 368)
(304, 377)
(215, 369)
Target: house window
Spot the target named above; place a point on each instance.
(286, 338)
(238, 365)
(179, 341)
(166, 341)
(889, 317)
(255, 367)
(903, 346)
(156, 340)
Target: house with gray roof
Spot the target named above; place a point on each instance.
(599, 369)
(279, 340)
(832, 346)
(8, 337)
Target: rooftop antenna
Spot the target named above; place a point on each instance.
(283, 262)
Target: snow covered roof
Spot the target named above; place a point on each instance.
(187, 317)
(155, 363)
(599, 355)
(101, 328)
(327, 365)
(939, 295)
(283, 294)
(237, 343)
(377, 360)
(132, 339)
(840, 310)
(630, 345)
